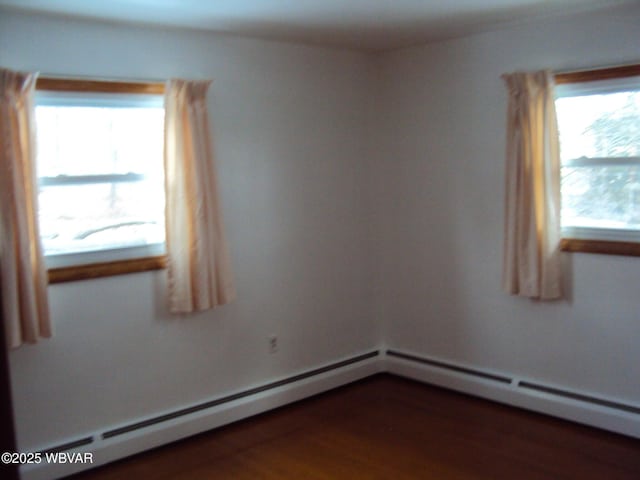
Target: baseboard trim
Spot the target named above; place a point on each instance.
(581, 407)
(116, 443)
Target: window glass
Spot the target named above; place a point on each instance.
(100, 173)
(600, 151)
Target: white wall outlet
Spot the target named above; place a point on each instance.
(273, 343)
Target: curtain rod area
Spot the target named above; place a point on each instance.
(593, 75)
(59, 83)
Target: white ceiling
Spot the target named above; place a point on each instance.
(360, 24)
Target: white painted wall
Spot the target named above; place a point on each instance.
(289, 131)
(439, 196)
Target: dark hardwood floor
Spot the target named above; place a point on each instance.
(386, 427)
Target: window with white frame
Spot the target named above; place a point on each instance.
(100, 174)
(599, 127)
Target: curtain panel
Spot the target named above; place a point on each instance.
(531, 262)
(23, 276)
(199, 269)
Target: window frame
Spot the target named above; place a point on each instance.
(609, 247)
(111, 267)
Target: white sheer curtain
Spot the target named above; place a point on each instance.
(532, 211)
(198, 260)
(23, 276)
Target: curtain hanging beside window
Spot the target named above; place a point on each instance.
(532, 236)
(23, 276)
(199, 269)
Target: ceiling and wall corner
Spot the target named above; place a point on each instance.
(370, 25)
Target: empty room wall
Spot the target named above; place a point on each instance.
(363, 200)
(438, 189)
(288, 125)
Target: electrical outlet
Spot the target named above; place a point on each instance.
(273, 343)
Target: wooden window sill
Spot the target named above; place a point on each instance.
(600, 246)
(106, 269)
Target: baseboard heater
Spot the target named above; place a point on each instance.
(236, 396)
(437, 364)
(449, 366)
(518, 384)
(81, 442)
(212, 403)
(581, 397)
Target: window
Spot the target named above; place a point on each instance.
(599, 125)
(100, 175)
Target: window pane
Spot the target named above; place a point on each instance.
(96, 141)
(604, 194)
(82, 218)
(599, 125)
(601, 197)
(88, 140)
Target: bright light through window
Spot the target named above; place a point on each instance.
(100, 175)
(600, 150)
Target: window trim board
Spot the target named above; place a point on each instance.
(610, 73)
(115, 267)
(106, 269)
(59, 84)
(609, 247)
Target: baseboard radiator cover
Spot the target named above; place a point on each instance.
(581, 407)
(122, 441)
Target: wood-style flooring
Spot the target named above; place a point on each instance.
(386, 427)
